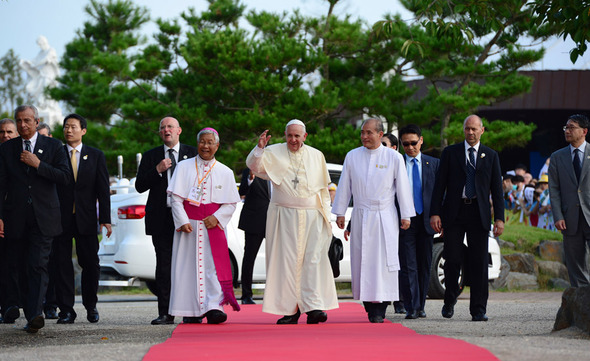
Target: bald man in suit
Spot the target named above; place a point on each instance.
(468, 174)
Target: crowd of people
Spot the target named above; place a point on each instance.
(52, 193)
(526, 199)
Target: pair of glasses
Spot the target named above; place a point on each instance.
(570, 128)
(407, 144)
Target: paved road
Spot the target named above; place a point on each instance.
(519, 330)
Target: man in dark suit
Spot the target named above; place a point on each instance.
(154, 172)
(416, 242)
(253, 223)
(468, 173)
(569, 191)
(78, 204)
(31, 166)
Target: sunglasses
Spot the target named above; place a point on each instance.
(407, 144)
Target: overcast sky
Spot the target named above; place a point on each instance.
(23, 21)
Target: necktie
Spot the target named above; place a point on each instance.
(171, 154)
(74, 164)
(470, 180)
(28, 145)
(577, 164)
(417, 185)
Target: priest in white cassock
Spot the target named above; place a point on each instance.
(203, 198)
(298, 231)
(374, 175)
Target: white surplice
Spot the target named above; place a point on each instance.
(298, 231)
(374, 178)
(195, 288)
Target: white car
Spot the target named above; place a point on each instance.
(128, 256)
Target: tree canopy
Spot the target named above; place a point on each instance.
(242, 72)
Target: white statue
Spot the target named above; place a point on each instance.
(42, 72)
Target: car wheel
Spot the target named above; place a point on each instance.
(436, 288)
(151, 285)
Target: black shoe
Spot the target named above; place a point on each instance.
(448, 311)
(375, 319)
(421, 314)
(92, 315)
(479, 317)
(411, 315)
(66, 317)
(248, 301)
(163, 320)
(316, 316)
(399, 308)
(215, 317)
(50, 313)
(289, 320)
(35, 324)
(192, 320)
(11, 314)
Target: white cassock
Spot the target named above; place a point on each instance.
(195, 288)
(373, 177)
(298, 230)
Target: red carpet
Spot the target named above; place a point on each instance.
(347, 335)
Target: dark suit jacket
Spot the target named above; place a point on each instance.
(253, 216)
(568, 195)
(429, 169)
(149, 179)
(17, 185)
(450, 181)
(92, 184)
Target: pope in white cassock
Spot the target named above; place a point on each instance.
(203, 199)
(298, 231)
(374, 175)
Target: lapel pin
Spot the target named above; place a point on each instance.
(482, 155)
(85, 157)
(40, 151)
(184, 157)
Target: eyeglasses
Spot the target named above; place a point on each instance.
(571, 129)
(412, 143)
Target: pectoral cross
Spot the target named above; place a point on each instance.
(295, 182)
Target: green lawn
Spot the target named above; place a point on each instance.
(527, 238)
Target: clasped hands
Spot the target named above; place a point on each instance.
(209, 222)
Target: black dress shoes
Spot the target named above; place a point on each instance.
(66, 317)
(192, 320)
(248, 301)
(316, 316)
(411, 315)
(163, 320)
(216, 317)
(50, 313)
(480, 317)
(399, 308)
(376, 319)
(92, 315)
(11, 314)
(35, 324)
(289, 320)
(448, 311)
(421, 314)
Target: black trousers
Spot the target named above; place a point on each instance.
(34, 248)
(163, 246)
(87, 253)
(251, 248)
(415, 257)
(476, 260)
